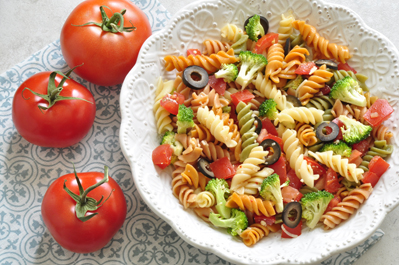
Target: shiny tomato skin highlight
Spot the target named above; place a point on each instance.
(64, 124)
(58, 212)
(108, 57)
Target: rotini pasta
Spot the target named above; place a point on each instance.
(230, 32)
(247, 130)
(300, 114)
(252, 204)
(291, 62)
(163, 121)
(215, 46)
(205, 199)
(275, 58)
(285, 28)
(256, 232)
(380, 148)
(306, 134)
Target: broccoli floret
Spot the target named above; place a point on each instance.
(313, 206)
(250, 65)
(268, 109)
(355, 131)
(185, 119)
(349, 91)
(228, 72)
(341, 148)
(270, 190)
(294, 83)
(177, 147)
(254, 28)
(237, 223)
(220, 189)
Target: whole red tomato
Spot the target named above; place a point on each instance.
(107, 56)
(61, 217)
(63, 124)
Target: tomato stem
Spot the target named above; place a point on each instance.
(85, 203)
(53, 91)
(111, 24)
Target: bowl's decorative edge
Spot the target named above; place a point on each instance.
(381, 206)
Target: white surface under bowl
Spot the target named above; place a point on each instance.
(373, 55)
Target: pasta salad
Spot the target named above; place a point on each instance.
(268, 132)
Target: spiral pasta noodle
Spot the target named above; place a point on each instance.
(252, 204)
(247, 129)
(347, 207)
(269, 90)
(293, 150)
(275, 58)
(230, 32)
(210, 63)
(380, 148)
(183, 192)
(285, 28)
(252, 185)
(163, 121)
(300, 114)
(313, 85)
(321, 102)
(215, 46)
(181, 88)
(212, 151)
(193, 178)
(256, 232)
(192, 152)
(216, 127)
(294, 58)
(313, 39)
(205, 199)
(306, 134)
(339, 164)
(381, 132)
(201, 133)
(248, 168)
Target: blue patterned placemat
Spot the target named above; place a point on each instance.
(27, 170)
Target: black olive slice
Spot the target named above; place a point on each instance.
(294, 100)
(292, 214)
(258, 125)
(195, 77)
(274, 151)
(287, 47)
(263, 21)
(203, 167)
(330, 64)
(320, 133)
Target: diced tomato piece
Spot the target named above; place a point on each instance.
(332, 183)
(362, 147)
(171, 102)
(290, 194)
(317, 168)
(378, 166)
(320, 183)
(333, 203)
(295, 182)
(193, 52)
(326, 90)
(295, 231)
(346, 67)
(222, 168)
(378, 112)
(268, 125)
(275, 138)
(265, 42)
(244, 96)
(356, 157)
(218, 84)
(268, 220)
(305, 68)
(370, 177)
(279, 169)
(162, 156)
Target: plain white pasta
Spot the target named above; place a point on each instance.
(300, 114)
(294, 153)
(205, 199)
(216, 127)
(252, 186)
(230, 32)
(286, 28)
(162, 119)
(270, 91)
(339, 164)
(250, 166)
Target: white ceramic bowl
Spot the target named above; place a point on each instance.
(373, 55)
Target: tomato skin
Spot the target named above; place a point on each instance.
(171, 102)
(290, 194)
(268, 125)
(362, 147)
(332, 184)
(378, 166)
(162, 155)
(333, 203)
(64, 124)
(370, 177)
(382, 108)
(193, 52)
(296, 231)
(355, 157)
(317, 168)
(222, 168)
(265, 42)
(279, 169)
(244, 96)
(58, 212)
(275, 138)
(346, 67)
(268, 220)
(295, 182)
(218, 84)
(107, 57)
(304, 68)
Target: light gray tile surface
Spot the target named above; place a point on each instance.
(26, 26)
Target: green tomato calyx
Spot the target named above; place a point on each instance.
(85, 203)
(111, 24)
(53, 91)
